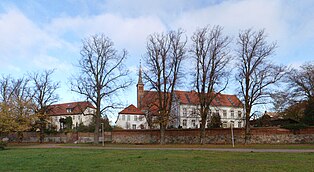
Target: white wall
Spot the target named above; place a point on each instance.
(193, 119)
(131, 121)
(76, 118)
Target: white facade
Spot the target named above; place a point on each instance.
(184, 110)
(85, 118)
(188, 116)
(132, 121)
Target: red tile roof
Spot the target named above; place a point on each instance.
(150, 99)
(190, 97)
(76, 108)
(132, 110)
(150, 102)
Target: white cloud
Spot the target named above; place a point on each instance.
(28, 43)
(48, 62)
(21, 39)
(127, 32)
(235, 16)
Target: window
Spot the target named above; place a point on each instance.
(224, 113)
(184, 122)
(135, 118)
(193, 111)
(79, 118)
(141, 118)
(224, 125)
(239, 114)
(239, 124)
(123, 117)
(232, 124)
(209, 114)
(184, 112)
(193, 123)
(134, 126)
(69, 110)
(232, 113)
(73, 117)
(128, 118)
(217, 112)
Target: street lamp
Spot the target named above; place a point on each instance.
(102, 133)
(232, 136)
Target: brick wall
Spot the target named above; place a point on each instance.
(179, 136)
(32, 137)
(215, 136)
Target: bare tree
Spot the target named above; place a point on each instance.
(301, 81)
(44, 95)
(255, 73)
(210, 52)
(102, 75)
(6, 91)
(281, 100)
(165, 53)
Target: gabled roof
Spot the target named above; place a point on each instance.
(191, 98)
(72, 108)
(150, 99)
(150, 102)
(132, 110)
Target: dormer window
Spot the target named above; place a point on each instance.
(69, 110)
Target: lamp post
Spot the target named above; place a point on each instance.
(232, 136)
(102, 133)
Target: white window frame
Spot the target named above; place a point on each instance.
(193, 122)
(69, 110)
(224, 112)
(239, 124)
(184, 123)
(240, 114)
(184, 111)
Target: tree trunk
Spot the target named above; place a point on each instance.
(42, 133)
(96, 132)
(162, 134)
(97, 117)
(247, 127)
(20, 136)
(202, 131)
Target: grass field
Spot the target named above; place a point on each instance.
(21, 159)
(241, 146)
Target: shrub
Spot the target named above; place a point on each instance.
(295, 127)
(117, 128)
(3, 144)
(215, 121)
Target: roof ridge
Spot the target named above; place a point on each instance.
(70, 103)
(131, 109)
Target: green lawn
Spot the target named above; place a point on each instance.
(20, 159)
(241, 146)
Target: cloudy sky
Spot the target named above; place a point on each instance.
(46, 34)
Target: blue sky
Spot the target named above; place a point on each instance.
(46, 34)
